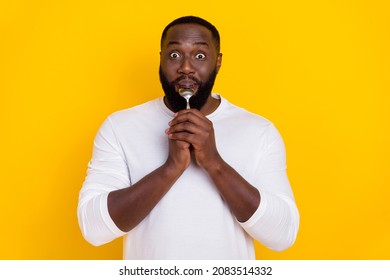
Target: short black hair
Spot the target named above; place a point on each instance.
(195, 20)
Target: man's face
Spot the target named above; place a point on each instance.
(188, 59)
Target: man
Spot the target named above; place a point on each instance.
(196, 183)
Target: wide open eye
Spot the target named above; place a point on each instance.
(174, 55)
(200, 56)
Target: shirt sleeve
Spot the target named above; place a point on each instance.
(107, 171)
(276, 221)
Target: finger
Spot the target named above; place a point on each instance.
(198, 139)
(193, 116)
(185, 127)
(182, 136)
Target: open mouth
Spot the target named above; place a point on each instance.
(187, 83)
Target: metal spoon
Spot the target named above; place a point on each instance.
(186, 93)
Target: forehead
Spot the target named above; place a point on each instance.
(188, 33)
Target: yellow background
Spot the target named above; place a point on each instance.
(318, 69)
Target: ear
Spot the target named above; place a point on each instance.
(219, 61)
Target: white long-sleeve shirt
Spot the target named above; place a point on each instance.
(191, 221)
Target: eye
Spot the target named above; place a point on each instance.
(174, 55)
(200, 56)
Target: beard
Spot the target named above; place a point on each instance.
(174, 99)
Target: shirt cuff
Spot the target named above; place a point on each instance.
(107, 218)
(259, 213)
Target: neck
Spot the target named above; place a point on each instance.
(210, 106)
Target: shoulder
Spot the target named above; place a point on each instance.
(126, 120)
(246, 122)
(137, 111)
(239, 115)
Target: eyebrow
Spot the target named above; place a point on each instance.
(202, 43)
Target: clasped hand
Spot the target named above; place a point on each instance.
(189, 131)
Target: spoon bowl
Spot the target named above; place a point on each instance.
(186, 93)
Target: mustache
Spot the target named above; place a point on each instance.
(184, 77)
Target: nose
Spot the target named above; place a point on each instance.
(186, 67)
